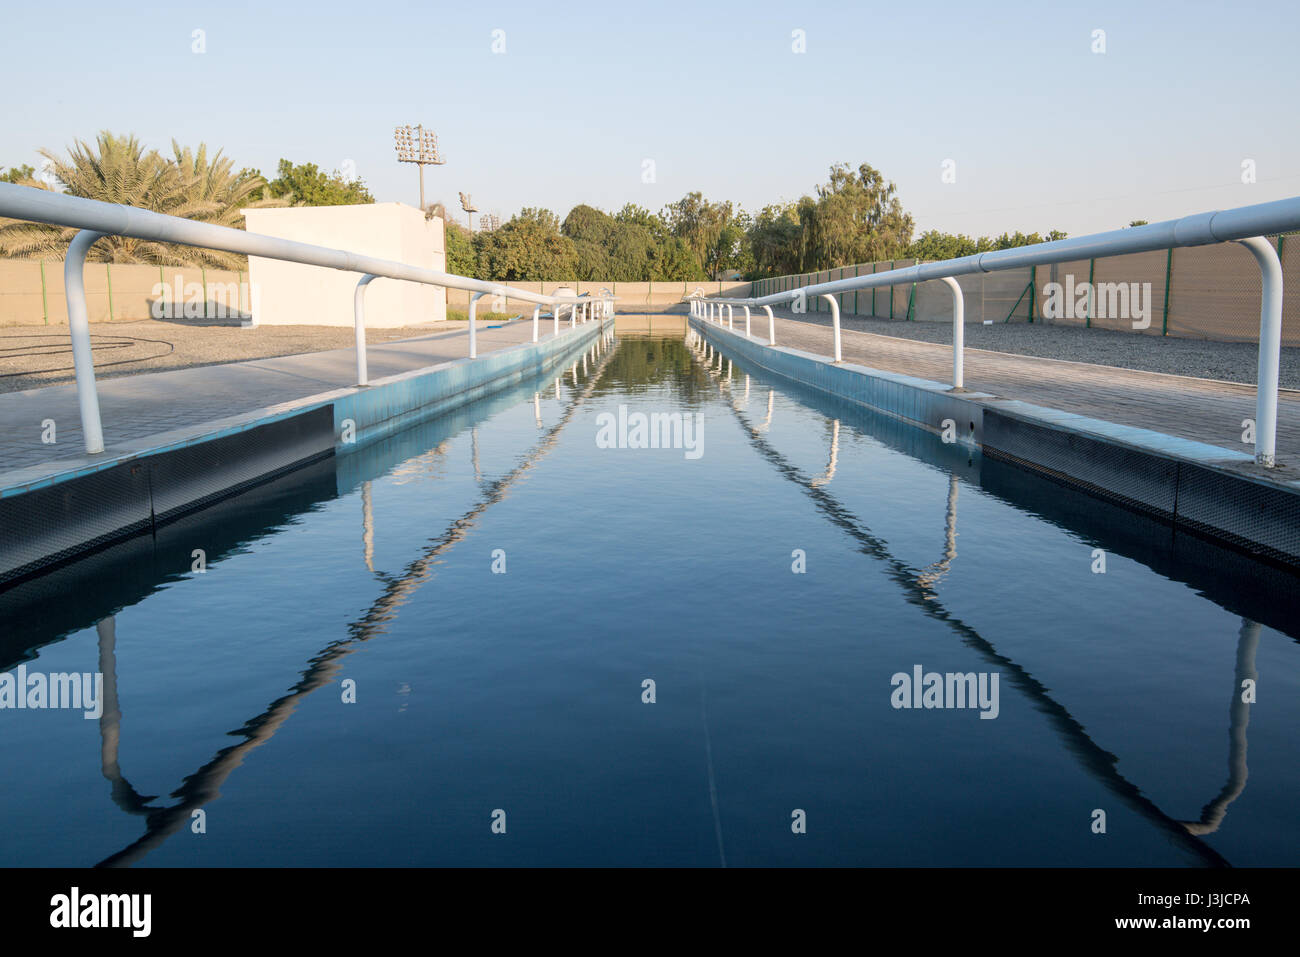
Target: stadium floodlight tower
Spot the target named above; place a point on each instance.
(467, 204)
(417, 145)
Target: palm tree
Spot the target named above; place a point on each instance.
(119, 170)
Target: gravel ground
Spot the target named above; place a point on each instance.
(34, 356)
(1228, 361)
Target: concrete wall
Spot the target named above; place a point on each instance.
(293, 294)
(31, 293)
(632, 296)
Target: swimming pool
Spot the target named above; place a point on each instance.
(801, 633)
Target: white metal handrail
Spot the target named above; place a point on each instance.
(96, 220)
(1247, 225)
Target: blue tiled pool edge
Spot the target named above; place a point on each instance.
(1185, 482)
(67, 513)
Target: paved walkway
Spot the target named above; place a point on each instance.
(1200, 409)
(134, 407)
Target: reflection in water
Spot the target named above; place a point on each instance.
(934, 574)
(203, 786)
(825, 477)
(920, 593)
(1238, 718)
(368, 527)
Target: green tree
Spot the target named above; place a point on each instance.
(702, 226)
(855, 218)
(462, 257)
(526, 249)
(775, 240)
(544, 218)
(620, 250)
(18, 174)
(305, 184)
(933, 245)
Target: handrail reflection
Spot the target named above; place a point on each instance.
(203, 785)
(916, 591)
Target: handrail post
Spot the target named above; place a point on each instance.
(746, 308)
(359, 310)
(555, 314)
(958, 331)
(537, 311)
(1270, 349)
(771, 326)
(473, 311)
(83, 359)
(835, 320)
(731, 318)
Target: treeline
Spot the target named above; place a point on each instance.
(856, 217)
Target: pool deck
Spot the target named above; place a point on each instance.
(1203, 410)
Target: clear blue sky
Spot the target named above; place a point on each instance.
(1044, 132)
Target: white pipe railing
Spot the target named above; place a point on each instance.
(96, 220)
(1247, 225)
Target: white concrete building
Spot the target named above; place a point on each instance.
(293, 294)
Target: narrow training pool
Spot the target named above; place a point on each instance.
(801, 634)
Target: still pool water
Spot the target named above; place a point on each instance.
(658, 656)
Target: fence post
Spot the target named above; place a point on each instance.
(1033, 291)
(1092, 292)
(891, 291)
(45, 302)
(1169, 272)
(108, 272)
